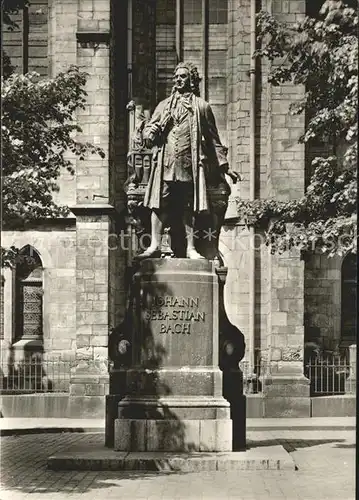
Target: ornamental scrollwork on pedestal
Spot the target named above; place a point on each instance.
(292, 354)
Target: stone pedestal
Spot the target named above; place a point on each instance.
(286, 390)
(174, 396)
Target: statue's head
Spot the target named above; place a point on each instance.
(186, 78)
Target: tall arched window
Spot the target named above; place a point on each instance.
(29, 292)
(349, 298)
(166, 58)
(194, 31)
(27, 43)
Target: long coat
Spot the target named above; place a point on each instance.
(208, 154)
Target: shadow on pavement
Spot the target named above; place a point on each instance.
(291, 445)
(24, 465)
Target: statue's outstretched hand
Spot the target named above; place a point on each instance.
(234, 176)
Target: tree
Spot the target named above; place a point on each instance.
(322, 55)
(10, 7)
(38, 132)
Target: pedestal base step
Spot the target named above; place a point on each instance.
(173, 435)
(95, 457)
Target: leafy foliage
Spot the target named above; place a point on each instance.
(10, 7)
(38, 133)
(322, 55)
(38, 129)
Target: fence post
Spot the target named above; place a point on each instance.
(350, 383)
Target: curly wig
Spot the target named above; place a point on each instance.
(193, 74)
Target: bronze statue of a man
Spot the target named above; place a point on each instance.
(187, 156)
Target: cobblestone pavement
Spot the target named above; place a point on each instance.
(325, 461)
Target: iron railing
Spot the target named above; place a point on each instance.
(328, 375)
(254, 376)
(34, 375)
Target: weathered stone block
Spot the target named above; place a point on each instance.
(100, 306)
(279, 318)
(83, 340)
(87, 25)
(130, 435)
(295, 318)
(83, 306)
(296, 8)
(94, 390)
(87, 407)
(88, 273)
(334, 406)
(207, 435)
(276, 354)
(286, 407)
(99, 340)
(61, 343)
(84, 330)
(77, 389)
(95, 317)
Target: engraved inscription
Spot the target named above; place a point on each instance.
(175, 313)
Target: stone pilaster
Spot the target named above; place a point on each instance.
(89, 377)
(351, 381)
(238, 89)
(285, 388)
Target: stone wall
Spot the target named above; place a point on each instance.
(287, 301)
(238, 89)
(279, 280)
(235, 244)
(279, 156)
(286, 174)
(2, 285)
(61, 54)
(57, 251)
(84, 279)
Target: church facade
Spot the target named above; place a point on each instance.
(63, 308)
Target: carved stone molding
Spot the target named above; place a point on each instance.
(93, 39)
(93, 209)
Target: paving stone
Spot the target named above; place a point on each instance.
(325, 461)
